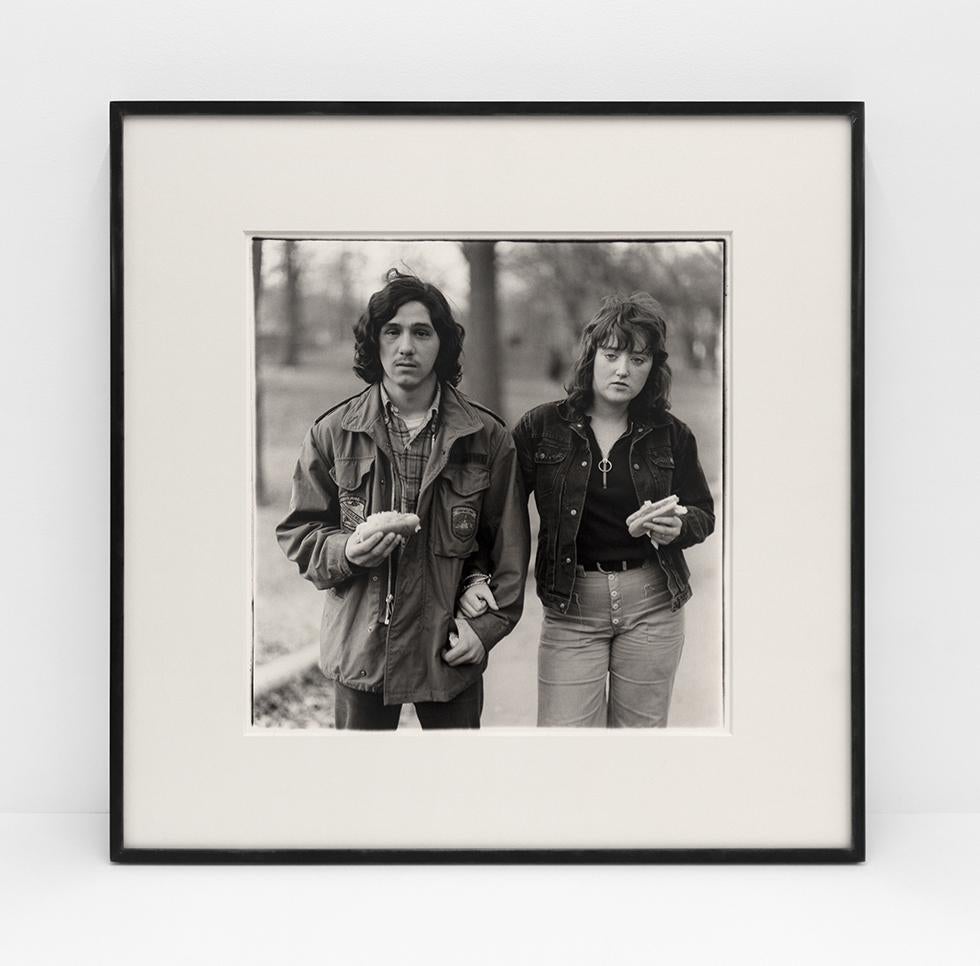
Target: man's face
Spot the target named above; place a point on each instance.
(408, 345)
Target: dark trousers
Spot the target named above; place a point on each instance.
(366, 710)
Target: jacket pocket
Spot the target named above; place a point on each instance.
(549, 458)
(456, 509)
(661, 463)
(353, 479)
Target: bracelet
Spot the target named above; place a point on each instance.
(473, 579)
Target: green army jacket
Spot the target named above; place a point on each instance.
(387, 634)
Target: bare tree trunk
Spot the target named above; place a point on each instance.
(294, 329)
(346, 314)
(482, 345)
(261, 495)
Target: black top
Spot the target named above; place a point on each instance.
(602, 534)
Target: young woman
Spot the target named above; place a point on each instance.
(620, 493)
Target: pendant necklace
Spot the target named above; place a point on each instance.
(605, 464)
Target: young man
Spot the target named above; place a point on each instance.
(413, 443)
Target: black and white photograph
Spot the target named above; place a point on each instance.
(472, 450)
(489, 483)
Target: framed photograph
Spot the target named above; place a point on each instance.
(487, 482)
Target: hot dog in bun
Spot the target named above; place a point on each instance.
(390, 521)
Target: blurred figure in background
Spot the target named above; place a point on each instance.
(414, 444)
(620, 492)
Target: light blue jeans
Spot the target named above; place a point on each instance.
(610, 660)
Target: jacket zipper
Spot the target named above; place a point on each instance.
(389, 596)
(444, 459)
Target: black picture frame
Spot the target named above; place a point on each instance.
(853, 111)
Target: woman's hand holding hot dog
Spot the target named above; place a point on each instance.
(660, 521)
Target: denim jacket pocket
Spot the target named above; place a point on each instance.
(661, 464)
(549, 457)
(457, 503)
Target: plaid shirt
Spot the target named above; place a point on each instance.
(411, 449)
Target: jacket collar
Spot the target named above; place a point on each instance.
(457, 416)
(577, 419)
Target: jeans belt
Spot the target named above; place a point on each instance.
(612, 566)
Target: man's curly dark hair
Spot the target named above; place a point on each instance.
(382, 306)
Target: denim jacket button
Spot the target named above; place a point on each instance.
(574, 512)
(636, 466)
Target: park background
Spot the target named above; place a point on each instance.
(523, 304)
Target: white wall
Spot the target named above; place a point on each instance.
(914, 65)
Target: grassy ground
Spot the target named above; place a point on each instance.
(287, 608)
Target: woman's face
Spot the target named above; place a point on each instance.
(620, 373)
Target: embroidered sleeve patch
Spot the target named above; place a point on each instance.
(463, 522)
(351, 513)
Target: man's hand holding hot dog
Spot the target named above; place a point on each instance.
(374, 539)
(370, 551)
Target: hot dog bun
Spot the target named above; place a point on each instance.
(389, 521)
(637, 522)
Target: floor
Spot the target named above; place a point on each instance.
(915, 900)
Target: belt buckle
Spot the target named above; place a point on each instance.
(621, 568)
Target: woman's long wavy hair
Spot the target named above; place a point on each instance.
(636, 322)
(382, 306)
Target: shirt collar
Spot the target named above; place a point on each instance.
(390, 408)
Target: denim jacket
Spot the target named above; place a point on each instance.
(555, 461)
